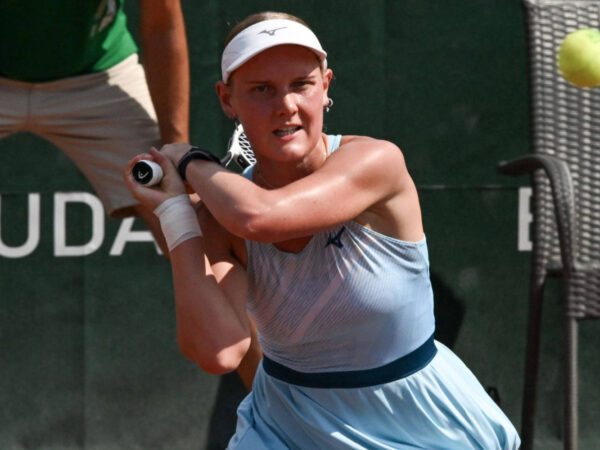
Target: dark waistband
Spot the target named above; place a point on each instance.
(395, 370)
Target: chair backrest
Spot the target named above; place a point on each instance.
(565, 124)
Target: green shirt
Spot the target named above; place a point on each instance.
(43, 40)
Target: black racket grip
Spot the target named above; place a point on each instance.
(147, 173)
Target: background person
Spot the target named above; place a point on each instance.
(69, 72)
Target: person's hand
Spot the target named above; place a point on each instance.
(174, 152)
(171, 184)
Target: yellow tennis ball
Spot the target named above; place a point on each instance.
(579, 57)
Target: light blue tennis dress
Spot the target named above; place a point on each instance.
(346, 326)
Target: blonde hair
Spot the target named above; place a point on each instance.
(259, 17)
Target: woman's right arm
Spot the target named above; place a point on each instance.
(210, 295)
(209, 282)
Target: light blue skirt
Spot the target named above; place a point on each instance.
(442, 406)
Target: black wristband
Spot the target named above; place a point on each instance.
(195, 153)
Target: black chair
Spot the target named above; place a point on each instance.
(565, 168)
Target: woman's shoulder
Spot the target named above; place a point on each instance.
(368, 161)
(365, 144)
(378, 166)
(366, 141)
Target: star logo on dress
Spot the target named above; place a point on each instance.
(271, 32)
(336, 240)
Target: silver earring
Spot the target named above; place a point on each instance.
(329, 105)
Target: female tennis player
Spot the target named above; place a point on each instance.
(322, 243)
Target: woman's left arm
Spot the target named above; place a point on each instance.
(362, 173)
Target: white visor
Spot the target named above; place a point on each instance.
(266, 34)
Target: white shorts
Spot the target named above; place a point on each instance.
(442, 406)
(100, 120)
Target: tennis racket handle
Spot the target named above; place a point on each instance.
(147, 173)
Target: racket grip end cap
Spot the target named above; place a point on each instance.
(147, 173)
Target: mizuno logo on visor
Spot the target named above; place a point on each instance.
(271, 32)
